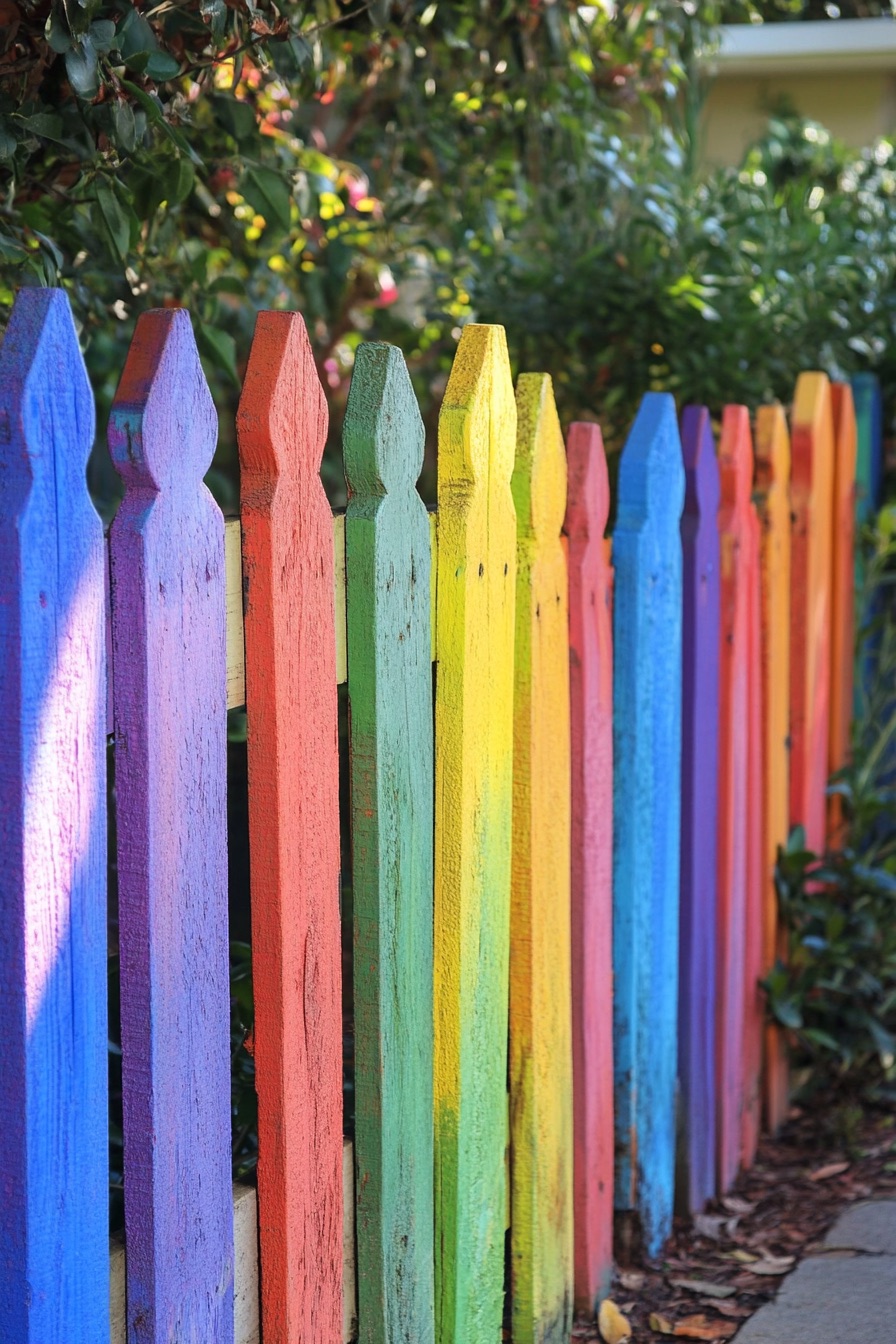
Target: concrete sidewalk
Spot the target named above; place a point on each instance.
(845, 1293)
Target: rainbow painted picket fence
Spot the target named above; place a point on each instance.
(563, 842)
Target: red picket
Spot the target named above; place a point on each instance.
(293, 833)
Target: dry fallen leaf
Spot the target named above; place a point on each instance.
(700, 1327)
(660, 1325)
(732, 1309)
(712, 1225)
(832, 1169)
(743, 1257)
(735, 1205)
(770, 1267)
(703, 1287)
(632, 1279)
(611, 1323)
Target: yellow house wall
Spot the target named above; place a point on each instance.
(856, 106)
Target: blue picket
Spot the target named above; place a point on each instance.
(54, 1267)
(646, 807)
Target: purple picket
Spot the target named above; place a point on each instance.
(54, 1264)
(699, 769)
(168, 631)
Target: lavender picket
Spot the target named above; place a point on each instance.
(54, 1267)
(699, 768)
(167, 552)
(646, 809)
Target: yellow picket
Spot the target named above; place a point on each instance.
(473, 803)
(541, 1138)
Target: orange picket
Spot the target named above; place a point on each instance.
(843, 588)
(810, 596)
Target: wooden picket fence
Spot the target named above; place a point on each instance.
(562, 844)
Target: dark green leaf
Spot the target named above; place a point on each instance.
(57, 34)
(124, 126)
(102, 34)
(269, 193)
(161, 67)
(220, 348)
(237, 117)
(45, 124)
(114, 217)
(81, 68)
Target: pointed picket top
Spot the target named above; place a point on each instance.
(383, 435)
(40, 365)
(539, 474)
(651, 480)
(811, 419)
(702, 484)
(772, 449)
(282, 416)
(735, 461)
(163, 426)
(464, 416)
(588, 491)
(479, 391)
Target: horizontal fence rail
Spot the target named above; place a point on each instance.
(571, 765)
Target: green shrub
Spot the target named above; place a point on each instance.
(836, 996)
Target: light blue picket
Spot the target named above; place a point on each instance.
(646, 808)
(54, 1261)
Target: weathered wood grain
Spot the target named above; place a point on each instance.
(473, 803)
(591, 911)
(812, 491)
(646, 809)
(541, 1124)
(699, 810)
(391, 745)
(736, 471)
(293, 833)
(772, 497)
(168, 629)
(53, 1065)
(842, 594)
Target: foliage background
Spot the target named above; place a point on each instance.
(393, 168)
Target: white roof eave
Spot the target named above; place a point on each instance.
(822, 47)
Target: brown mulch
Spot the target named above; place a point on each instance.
(733, 1258)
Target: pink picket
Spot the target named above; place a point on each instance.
(591, 724)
